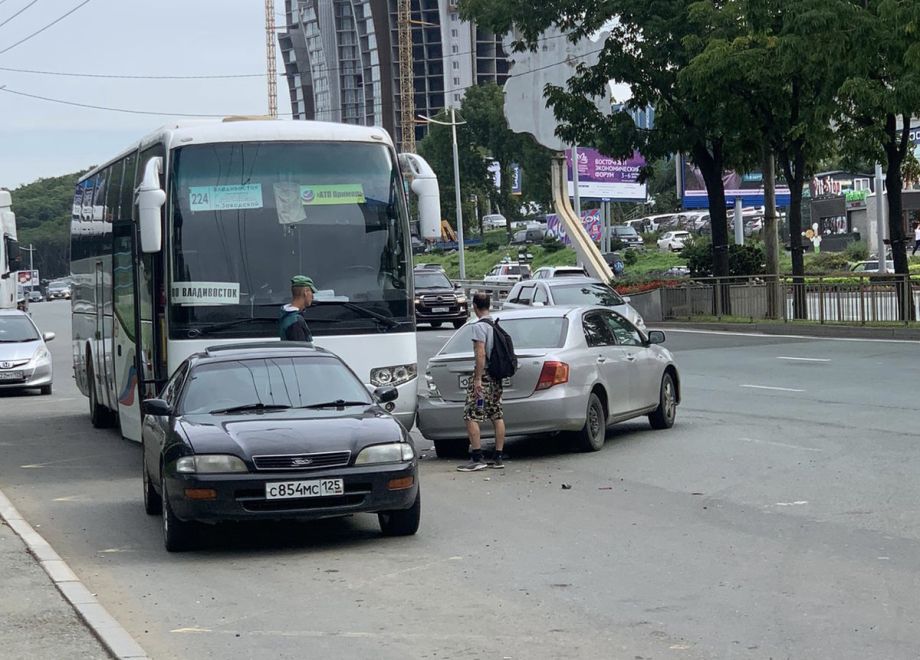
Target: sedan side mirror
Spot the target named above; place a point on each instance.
(626, 299)
(48, 336)
(386, 394)
(157, 408)
(656, 337)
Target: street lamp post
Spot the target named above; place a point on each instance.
(453, 128)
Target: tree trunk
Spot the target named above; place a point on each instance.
(794, 170)
(896, 151)
(711, 168)
(770, 236)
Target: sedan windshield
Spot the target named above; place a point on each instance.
(17, 329)
(586, 294)
(266, 384)
(544, 332)
(247, 217)
(434, 280)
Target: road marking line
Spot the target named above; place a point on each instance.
(796, 503)
(779, 444)
(803, 359)
(762, 335)
(776, 389)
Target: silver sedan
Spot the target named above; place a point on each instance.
(579, 370)
(569, 291)
(24, 358)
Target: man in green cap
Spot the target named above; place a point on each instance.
(293, 326)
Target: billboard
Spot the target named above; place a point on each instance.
(591, 220)
(27, 278)
(605, 178)
(748, 187)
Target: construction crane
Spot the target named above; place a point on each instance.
(272, 72)
(406, 76)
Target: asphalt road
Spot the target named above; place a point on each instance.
(777, 519)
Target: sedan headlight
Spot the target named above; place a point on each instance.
(210, 464)
(394, 452)
(397, 375)
(41, 355)
(461, 299)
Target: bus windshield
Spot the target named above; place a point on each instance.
(246, 217)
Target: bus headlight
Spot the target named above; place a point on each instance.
(397, 375)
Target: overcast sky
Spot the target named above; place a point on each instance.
(134, 37)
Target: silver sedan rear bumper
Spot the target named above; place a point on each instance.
(559, 408)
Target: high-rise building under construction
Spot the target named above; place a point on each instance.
(341, 59)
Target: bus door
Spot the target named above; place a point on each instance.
(102, 350)
(126, 330)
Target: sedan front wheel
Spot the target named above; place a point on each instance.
(402, 523)
(664, 415)
(178, 535)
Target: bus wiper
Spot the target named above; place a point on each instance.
(339, 403)
(259, 407)
(385, 320)
(198, 331)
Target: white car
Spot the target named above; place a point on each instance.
(569, 291)
(24, 358)
(674, 241)
(494, 221)
(507, 272)
(549, 272)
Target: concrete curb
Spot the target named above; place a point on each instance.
(797, 330)
(114, 638)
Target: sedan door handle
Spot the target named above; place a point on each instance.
(601, 360)
(630, 357)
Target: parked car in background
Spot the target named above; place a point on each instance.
(494, 221)
(549, 272)
(527, 236)
(437, 300)
(418, 245)
(25, 360)
(870, 266)
(572, 291)
(429, 267)
(58, 290)
(274, 431)
(579, 370)
(677, 271)
(628, 236)
(508, 272)
(753, 226)
(674, 241)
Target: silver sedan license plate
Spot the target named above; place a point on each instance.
(289, 490)
(464, 382)
(10, 375)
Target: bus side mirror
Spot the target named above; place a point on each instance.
(150, 200)
(424, 183)
(13, 254)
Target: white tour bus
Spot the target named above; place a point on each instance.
(9, 253)
(191, 237)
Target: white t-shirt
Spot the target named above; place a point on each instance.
(917, 233)
(483, 332)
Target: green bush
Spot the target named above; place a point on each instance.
(651, 237)
(630, 257)
(492, 244)
(857, 251)
(616, 245)
(827, 262)
(743, 260)
(552, 244)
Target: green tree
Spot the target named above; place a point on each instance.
(880, 97)
(648, 47)
(786, 65)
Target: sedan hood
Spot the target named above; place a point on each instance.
(18, 351)
(290, 432)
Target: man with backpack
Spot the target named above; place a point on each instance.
(494, 361)
(292, 326)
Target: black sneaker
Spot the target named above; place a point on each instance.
(496, 462)
(474, 465)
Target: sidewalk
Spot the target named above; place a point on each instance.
(36, 621)
(45, 611)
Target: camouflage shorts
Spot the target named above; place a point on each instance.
(492, 397)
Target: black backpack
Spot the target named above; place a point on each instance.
(502, 363)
